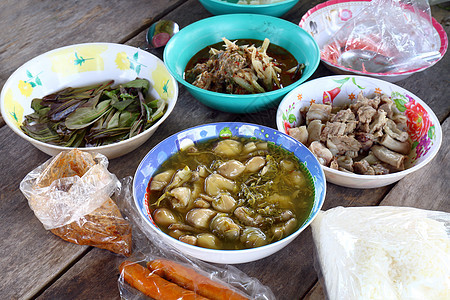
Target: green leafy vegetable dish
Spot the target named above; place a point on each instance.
(94, 115)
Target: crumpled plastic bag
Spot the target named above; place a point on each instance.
(148, 247)
(401, 31)
(70, 195)
(383, 252)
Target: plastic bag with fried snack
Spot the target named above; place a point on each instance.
(70, 195)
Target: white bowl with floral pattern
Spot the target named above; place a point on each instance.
(81, 65)
(325, 19)
(422, 124)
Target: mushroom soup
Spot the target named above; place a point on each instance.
(232, 193)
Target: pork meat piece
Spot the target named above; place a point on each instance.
(315, 128)
(343, 115)
(350, 127)
(345, 162)
(378, 121)
(320, 112)
(345, 143)
(322, 153)
(380, 169)
(363, 127)
(363, 167)
(362, 101)
(391, 128)
(299, 133)
(351, 154)
(332, 129)
(365, 139)
(365, 113)
(387, 105)
(334, 164)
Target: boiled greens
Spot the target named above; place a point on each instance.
(93, 115)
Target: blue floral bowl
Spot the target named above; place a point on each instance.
(193, 38)
(188, 137)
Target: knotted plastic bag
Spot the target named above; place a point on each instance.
(383, 252)
(70, 195)
(400, 32)
(158, 269)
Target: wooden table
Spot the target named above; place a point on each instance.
(37, 264)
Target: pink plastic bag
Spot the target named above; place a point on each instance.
(399, 32)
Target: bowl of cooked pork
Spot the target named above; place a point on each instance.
(365, 132)
(241, 63)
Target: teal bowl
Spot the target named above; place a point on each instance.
(219, 7)
(193, 38)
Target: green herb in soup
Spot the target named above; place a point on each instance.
(93, 115)
(231, 194)
(245, 66)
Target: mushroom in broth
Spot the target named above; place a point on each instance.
(233, 193)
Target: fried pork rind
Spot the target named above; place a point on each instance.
(70, 195)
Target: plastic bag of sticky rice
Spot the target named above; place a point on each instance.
(383, 253)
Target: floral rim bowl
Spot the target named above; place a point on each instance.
(422, 124)
(81, 65)
(183, 139)
(196, 36)
(326, 18)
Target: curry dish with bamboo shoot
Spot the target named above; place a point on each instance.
(244, 66)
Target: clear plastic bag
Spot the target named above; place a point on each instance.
(394, 35)
(383, 252)
(148, 247)
(70, 195)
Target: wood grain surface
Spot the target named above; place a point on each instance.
(37, 264)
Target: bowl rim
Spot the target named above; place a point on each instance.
(438, 128)
(436, 25)
(267, 247)
(239, 97)
(97, 148)
(270, 5)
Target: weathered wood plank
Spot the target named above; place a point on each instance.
(93, 277)
(316, 293)
(30, 28)
(31, 256)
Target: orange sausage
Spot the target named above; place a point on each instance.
(189, 279)
(153, 285)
